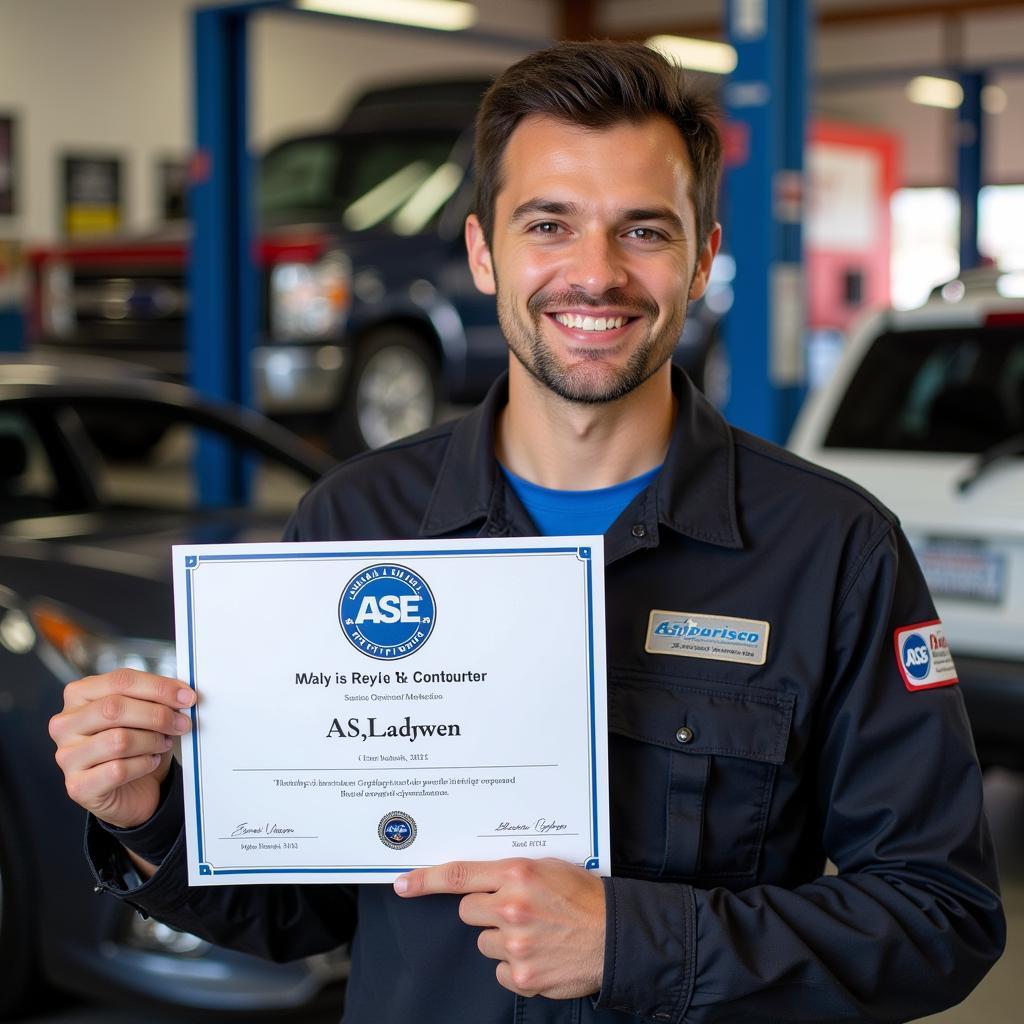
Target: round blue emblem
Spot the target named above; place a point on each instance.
(397, 830)
(386, 611)
(917, 659)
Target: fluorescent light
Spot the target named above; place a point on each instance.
(696, 54)
(935, 92)
(446, 15)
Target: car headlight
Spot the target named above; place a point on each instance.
(72, 646)
(58, 307)
(310, 300)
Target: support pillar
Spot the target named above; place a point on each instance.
(222, 279)
(969, 140)
(766, 105)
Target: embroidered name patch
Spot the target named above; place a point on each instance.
(717, 637)
(923, 656)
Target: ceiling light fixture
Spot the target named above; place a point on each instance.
(445, 15)
(696, 54)
(935, 92)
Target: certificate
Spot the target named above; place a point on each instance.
(366, 708)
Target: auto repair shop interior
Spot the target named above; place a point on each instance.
(232, 254)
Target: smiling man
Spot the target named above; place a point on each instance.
(737, 767)
(593, 249)
(595, 232)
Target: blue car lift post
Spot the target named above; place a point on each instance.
(766, 104)
(970, 146)
(222, 277)
(223, 281)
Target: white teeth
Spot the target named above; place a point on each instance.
(590, 323)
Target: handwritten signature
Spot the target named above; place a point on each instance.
(245, 829)
(542, 825)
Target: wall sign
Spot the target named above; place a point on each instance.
(91, 195)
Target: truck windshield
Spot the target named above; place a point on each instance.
(936, 390)
(393, 183)
(298, 180)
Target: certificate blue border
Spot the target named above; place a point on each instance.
(193, 563)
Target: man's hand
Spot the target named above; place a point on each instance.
(114, 741)
(542, 919)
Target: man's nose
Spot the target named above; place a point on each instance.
(596, 264)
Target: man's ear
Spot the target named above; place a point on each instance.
(480, 265)
(702, 271)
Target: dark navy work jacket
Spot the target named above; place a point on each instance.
(720, 907)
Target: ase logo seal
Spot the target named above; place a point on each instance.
(386, 611)
(397, 830)
(917, 659)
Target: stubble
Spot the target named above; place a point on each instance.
(589, 377)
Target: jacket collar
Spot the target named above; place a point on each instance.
(695, 491)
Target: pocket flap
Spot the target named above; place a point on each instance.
(692, 717)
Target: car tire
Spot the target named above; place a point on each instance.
(17, 941)
(393, 391)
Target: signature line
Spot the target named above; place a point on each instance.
(530, 835)
(287, 839)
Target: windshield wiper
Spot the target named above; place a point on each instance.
(1013, 445)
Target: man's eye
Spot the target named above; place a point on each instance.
(645, 235)
(547, 227)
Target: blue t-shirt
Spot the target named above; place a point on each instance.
(576, 512)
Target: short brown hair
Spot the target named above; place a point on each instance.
(597, 84)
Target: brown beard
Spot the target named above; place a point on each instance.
(574, 384)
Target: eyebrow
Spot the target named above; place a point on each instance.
(537, 205)
(557, 208)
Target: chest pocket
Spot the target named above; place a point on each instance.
(691, 771)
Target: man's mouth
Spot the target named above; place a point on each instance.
(578, 322)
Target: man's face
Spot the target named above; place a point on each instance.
(594, 253)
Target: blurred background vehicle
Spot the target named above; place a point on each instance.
(913, 168)
(84, 587)
(370, 320)
(926, 410)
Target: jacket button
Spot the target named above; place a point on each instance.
(684, 734)
(639, 530)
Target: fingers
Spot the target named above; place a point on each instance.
(118, 712)
(110, 745)
(542, 920)
(460, 877)
(514, 969)
(130, 683)
(512, 946)
(121, 700)
(93, 789)
(116, 729)
(518, 978)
